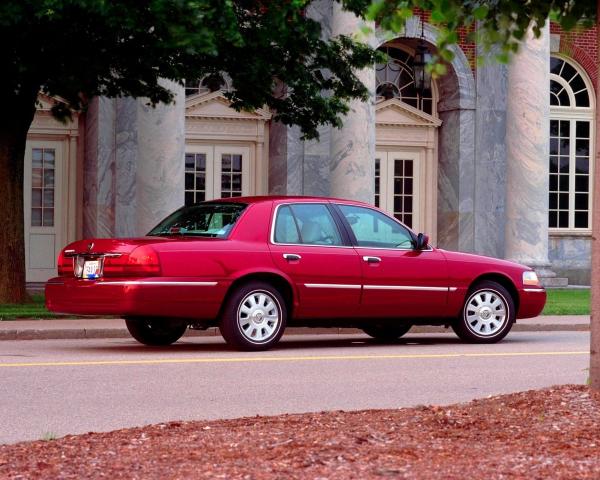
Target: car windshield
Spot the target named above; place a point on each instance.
(203, 220)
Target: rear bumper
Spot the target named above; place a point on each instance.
(152, 296)
(532, 302)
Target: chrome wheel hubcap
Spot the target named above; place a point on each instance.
(259, 316)
(486, 312)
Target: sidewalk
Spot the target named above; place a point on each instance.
(115, 328)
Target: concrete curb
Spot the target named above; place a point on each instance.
(63, 334)
(121, 332)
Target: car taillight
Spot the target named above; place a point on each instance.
(142, 261)
(64, 265)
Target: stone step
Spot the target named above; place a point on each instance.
(552, 282)
(35, 287)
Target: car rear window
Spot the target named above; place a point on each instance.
(203, 220)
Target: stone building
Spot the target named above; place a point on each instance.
(495, 159)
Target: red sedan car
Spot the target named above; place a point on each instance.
(252, 266)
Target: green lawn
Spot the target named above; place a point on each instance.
(567, 302)
(36, 309)
(560, 302)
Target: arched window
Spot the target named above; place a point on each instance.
(395, 79)
(567, 87)
(209, 83)
(571, 146)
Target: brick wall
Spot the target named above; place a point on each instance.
(468, 48)
(581, 46)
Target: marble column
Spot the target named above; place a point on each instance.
(456, 161)
(490, 156)
(527, 117)
(352, 160)
(286, 160)
(296, 166)
(160, 166)
(133, 166)
(99, 169)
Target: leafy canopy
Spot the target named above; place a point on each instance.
(501, 24)
(77, 49)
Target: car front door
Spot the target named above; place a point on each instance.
(398, 280)
(308, 244)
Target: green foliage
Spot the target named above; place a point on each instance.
(77, 49)
(500, 25)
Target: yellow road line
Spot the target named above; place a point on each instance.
(254, 359)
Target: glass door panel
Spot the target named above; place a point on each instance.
(216, 171)
(397, 186)
(403, 191)
(199, 172)
(195, 177)
(232, 171)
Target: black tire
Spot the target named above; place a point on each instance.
(155, 332)
(254, 317)
(387, 333)
(488, 320)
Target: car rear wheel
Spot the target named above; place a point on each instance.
(254, 317)
(386, 333)
(155, 332)
(488, 314)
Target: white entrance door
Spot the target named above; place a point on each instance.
(44, 206)
(398, 189)
(217, 171)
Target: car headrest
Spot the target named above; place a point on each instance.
(311, 232)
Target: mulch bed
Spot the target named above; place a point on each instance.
(551, 433)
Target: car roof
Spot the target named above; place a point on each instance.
(285, 199)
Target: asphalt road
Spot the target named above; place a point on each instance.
(57, 387)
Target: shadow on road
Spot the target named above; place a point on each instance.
(289, 343)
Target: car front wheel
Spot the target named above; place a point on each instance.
(488, 314)
(386, 333)
(254, 317)
(155, 332)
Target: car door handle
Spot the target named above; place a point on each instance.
(368, 259)
(291, 256)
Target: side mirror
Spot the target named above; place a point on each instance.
(422, 241)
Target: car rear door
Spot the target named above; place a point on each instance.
(398, 281)
(311, 246)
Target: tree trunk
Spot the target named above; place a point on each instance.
(595, 281)
(14, 125)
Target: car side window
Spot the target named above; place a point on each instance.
(307, 223)
(316, 224)
(285, 226)
(374, 229)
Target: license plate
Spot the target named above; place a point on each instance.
(92, 269)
